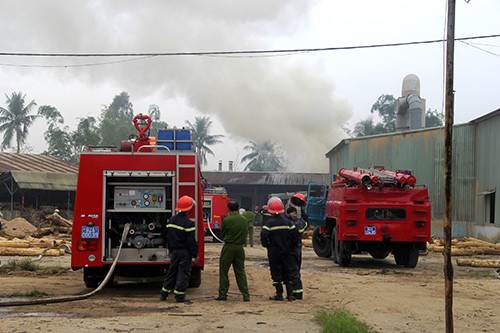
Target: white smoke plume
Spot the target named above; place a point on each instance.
(287, 99)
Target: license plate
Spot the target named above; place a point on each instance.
(370, 231)
(216, 225)
(90, 232)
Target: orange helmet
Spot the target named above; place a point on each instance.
(276, 207)
(184, 204)
(298, 199)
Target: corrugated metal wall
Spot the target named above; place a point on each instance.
(488, 167)
(422, 152)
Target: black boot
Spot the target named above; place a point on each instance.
(289, 292)
(163, 295)
(279, 292)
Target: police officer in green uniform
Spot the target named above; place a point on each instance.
(233, 231)
(250, 216)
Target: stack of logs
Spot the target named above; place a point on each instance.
(31, 246)
(56, 225)
(468, 246)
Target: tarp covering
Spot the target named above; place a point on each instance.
(51, 181)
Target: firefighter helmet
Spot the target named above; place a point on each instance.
(184, 204)
(298, 199)
(276, 207)
(273, 199)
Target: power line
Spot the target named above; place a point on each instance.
(242, 52)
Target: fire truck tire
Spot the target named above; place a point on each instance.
(321, 244)
(406, 256)
(334, 241)
(380, 254)
(195, 279)
(92, 277)
(341, 251)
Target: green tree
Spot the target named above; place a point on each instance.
(385, 106)
(265, 156)
(116, 120)
(202, 140)
(155, 114)
(433, 118)
(368, 127)
(58, 139)
(86, 133)
(16, 119)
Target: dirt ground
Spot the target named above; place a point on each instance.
(389, 298)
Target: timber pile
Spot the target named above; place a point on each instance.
(18, 237)
(55, 224)
(31, 246)
(465, 246)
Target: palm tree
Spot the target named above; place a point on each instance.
(16, 119)
(201, 139)
(263, 157)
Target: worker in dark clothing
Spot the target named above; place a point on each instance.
(296, 250)
(265, 214)
(299, 200)
(277, 235)
(250, 216)
(234, 233)
(182, 246)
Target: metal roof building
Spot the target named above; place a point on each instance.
(34, 180)
(476, 176)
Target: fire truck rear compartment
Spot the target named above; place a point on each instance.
(145, 203)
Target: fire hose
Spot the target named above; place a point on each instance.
(73, 297)
(213, 234)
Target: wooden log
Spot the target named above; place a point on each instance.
(57, 219)
(17, 244)
(479, 263)
(468, 251)
(472, 244)
(307, 242)
(480, 241)
(8, 251)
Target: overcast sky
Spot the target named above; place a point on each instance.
(300, 101)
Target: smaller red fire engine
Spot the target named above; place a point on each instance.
(372, 210)
(214, 211)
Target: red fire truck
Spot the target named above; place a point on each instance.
(139, 185)
(214, 211)
(372, 210)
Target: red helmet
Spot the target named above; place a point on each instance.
(298, 199)
(276, 207)
(184, 204)
(264, 207)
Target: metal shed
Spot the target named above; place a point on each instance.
(476, 177)
(34, 180)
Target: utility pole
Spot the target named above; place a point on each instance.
(448, 142)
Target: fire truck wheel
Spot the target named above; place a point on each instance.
(195, 279)
(334, 241)
(380, 254)
(343, 254)
(406, 256)
(321, 243)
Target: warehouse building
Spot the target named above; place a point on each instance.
(476, 176)
(32, 181)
